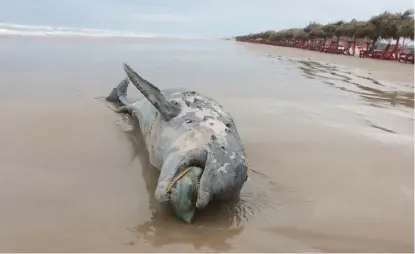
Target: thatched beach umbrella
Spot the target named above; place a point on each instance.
(357, 30)
(300, 35)
(383, 26)
(406, 30)
(406, 26)
(386, 25)
(328, 31)
(340, 30)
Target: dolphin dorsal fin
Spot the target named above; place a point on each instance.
(167, 109)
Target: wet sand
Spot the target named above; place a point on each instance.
(329, 143)
(383, 70)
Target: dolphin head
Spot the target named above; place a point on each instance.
(214, 171)
(218, 174)
(222, 159)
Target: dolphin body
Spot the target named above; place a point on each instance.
(190, 139)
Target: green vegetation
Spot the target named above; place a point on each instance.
(386, 25)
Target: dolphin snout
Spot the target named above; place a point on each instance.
(174, 165)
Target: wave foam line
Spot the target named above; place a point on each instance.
(10, 29)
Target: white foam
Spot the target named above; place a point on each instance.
(10, 29)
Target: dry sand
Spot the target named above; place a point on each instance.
(76, 178)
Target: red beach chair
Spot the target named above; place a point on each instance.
(342, 47)
(334, 48)
(365, 51)
(384, 53)
(390, 53)
(347, 45)
(410, 58)
(320, 46)
(406, 56)
(326, 46)
(311, 45)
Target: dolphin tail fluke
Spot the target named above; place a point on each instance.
(166, 108)
(119, 94)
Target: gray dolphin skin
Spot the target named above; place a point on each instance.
(190, 139)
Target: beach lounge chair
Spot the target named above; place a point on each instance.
(410, 58)
(326, 46)
(406, 56)
(311, 45)
(365, 51)
(385, 53)
(390, 53)
(298, 44)
(333, 49)
(347, 50)
(340, 47)
(319, 46)
(343, 48)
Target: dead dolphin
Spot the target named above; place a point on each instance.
(186, 135)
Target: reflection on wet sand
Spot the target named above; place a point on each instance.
(367, 87)
(331, 243)
(373, 92)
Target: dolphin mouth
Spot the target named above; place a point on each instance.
(199, 163)
(196, 161)
(182, 191)
(185, 169)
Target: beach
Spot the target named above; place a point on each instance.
(329, 142)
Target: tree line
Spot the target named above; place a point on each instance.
(386, 25)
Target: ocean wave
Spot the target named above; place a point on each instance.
(10, 29)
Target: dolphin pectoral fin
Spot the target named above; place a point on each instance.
(166, 108)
